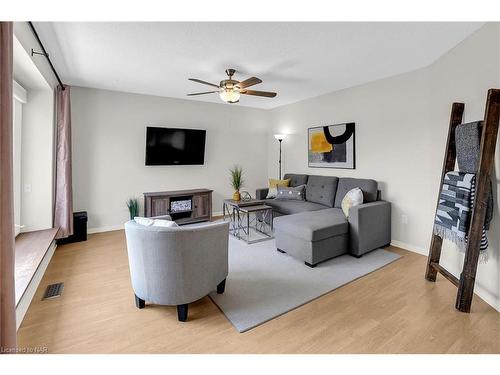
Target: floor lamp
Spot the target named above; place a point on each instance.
(280, 138)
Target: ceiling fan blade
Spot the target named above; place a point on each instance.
(267, 94)
(249, 82)
(202, 93)
(204, 82)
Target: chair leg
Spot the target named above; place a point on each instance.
(221, 287)
(139, 303)
(310, 265)
(182, 312)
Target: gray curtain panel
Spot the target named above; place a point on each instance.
(63, 213)
(7, 291)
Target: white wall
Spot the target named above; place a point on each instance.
(27, 40)
(401, 126)
(20, 98)
(465, 74)
(37, 135)
(37, 156)
(109, 130)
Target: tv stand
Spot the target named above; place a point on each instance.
(184, 206)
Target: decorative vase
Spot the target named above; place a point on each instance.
(236, 196)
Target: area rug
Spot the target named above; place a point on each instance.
(263, 283)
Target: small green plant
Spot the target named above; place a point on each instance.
(133, 207)
(236, 174)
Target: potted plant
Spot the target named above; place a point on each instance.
(133, 207)
(236, 174)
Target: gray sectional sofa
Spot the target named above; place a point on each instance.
(316, 229)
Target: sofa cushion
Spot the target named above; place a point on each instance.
(313, 226)
(368, 187)
(288, 207)
(296, 179)
(321, 189)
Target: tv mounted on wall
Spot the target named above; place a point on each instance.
(171, 146)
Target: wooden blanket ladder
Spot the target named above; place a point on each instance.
(489, 131)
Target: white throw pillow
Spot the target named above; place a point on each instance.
(272, 192)
(164, 223)
(146, 221)
(353, 197)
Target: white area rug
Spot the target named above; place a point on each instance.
(263, 283)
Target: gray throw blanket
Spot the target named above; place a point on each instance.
(468, 140)
(454, 212)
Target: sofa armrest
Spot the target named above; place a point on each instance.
(261, 193)
(369, 227)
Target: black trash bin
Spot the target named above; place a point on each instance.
(79, 229)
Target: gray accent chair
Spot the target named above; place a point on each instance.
(316, 229)
(177, 265)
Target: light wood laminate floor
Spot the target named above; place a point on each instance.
(392, 310)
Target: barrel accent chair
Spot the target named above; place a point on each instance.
(177, 265)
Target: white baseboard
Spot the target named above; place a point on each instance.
(409, 247)
(484, 294)
(27, 297)
(487, 297)
(107, 228)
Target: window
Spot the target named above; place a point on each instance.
(20, 98)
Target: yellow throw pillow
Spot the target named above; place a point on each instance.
(273, 187)
(275, 183)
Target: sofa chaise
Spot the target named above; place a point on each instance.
(316, 229)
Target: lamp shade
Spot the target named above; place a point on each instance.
(229, 95)
(280, 137)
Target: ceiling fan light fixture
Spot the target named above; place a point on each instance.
(230, 90)
(230, 95)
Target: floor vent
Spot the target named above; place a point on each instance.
(53, 291)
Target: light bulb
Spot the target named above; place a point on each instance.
(229, 95)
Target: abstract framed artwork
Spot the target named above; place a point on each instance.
(332, 146)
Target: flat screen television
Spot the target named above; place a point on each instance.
(171, 146)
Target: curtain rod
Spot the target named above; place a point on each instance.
(44, 53)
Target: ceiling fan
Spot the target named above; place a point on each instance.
(229, 90)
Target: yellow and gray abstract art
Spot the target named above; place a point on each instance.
(332, 146)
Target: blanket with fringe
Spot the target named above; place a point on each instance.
(454, 212)
(468, 144)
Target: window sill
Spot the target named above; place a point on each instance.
(30, 249)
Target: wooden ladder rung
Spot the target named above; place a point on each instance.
(445, 273)
(489, 131)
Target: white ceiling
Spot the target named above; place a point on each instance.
(297, 60)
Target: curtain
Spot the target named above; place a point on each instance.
(63, 213)
(7, 290)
